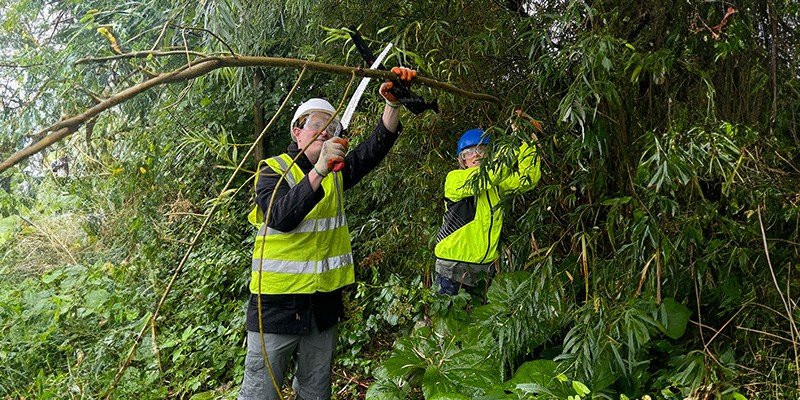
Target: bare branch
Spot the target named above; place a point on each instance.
(12, 65)
(161, 35)
(139, 54)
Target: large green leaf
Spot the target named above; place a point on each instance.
(448, 396)
(541, 377)
(385, 388)
(540, 372)
(673, 317)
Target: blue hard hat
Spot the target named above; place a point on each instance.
(472, 137)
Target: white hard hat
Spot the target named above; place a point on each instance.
(315, 104)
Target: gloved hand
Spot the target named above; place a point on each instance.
(406, 75)
(333, 151)
(537, 125)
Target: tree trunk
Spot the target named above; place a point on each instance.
(773, 44)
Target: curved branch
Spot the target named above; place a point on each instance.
(4, 64)
(202, 66)
(139, 54)
(176, 272)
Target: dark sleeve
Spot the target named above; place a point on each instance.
(291, 205)
(364, 158)
(456, 215)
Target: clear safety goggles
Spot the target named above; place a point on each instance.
(317, 120)
(479, 151)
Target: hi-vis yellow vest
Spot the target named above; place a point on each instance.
(476, 241)
(316, 255)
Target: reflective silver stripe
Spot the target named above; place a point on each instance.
(292, 267)
(310, 225)
(286, 172)
(335, 262)
(303, 267)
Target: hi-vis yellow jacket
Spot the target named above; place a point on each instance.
(471, 228)
(314, 257)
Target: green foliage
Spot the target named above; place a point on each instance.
(378, 312)
(523, 311)
(542, 379)
(461, 355)
(74, 321)
(443, 361)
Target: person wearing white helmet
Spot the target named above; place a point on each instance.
(302, 257)
(466, 245)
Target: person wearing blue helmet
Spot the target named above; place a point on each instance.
(466, 245)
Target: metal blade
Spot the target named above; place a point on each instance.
(351, 106)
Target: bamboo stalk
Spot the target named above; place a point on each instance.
(658, 273)
(585, 263)
(785, 299)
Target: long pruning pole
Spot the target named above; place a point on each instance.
(199, 67)
(124, 366)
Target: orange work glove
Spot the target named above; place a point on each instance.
(336, 163)
(406, 75)
(537, 125)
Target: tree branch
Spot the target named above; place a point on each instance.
(139, 54)
(4, 64)
(201, 67)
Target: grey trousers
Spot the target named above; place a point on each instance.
(313, 356)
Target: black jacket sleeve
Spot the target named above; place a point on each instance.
(290, 205)
(367, 155)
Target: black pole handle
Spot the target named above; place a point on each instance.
(410, 100)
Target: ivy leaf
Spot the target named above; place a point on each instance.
(52, 276)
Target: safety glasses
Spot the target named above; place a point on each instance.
(316, 121)
(479, 151)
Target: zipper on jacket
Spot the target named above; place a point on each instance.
(491, 222)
